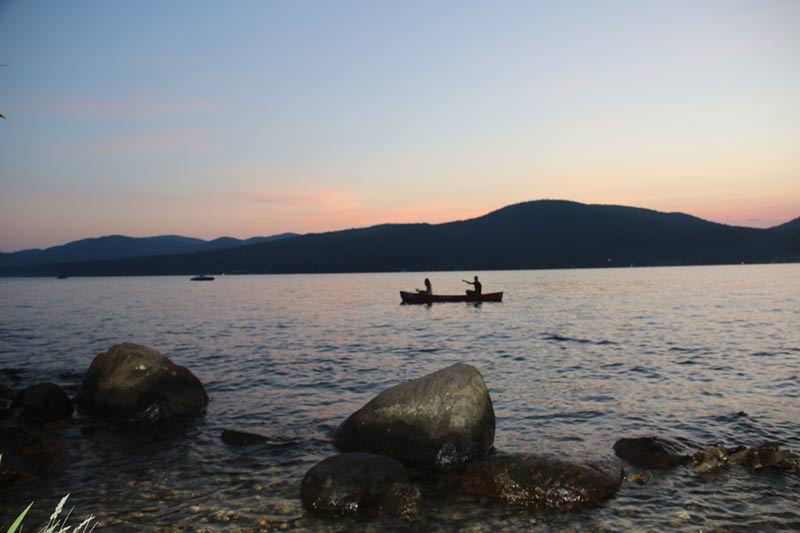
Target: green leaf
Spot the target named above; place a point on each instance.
(19, 519)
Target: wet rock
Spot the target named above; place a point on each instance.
(651, 452)
(763, 456)
(403, 500)
(350, 483)
(711, 461)
(42, 403)
(438, 420)
(241, 438)
(131, 383)
(767, 455)
(542, 482)
(640, 478)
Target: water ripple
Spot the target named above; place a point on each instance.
(699, 355)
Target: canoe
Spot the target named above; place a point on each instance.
(203, 278)
(418, 298)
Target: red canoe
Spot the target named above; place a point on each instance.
(421, 298)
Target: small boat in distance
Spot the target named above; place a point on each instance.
(62, 276)
(203, 277)
(423, 298)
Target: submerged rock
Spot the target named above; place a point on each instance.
(8, 475)
(767, 455)
(131, 383)
(762, 456)
(651, 452)
(712, 460)
(42, 403)
(6, 392)
(30, 451)
(542, 482)
(350, 483)
(441, 419)
(241, 438)
(640, 478)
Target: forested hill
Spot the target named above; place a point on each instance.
(531, 235)
(121, 246)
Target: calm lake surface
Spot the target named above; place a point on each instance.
(573, 359)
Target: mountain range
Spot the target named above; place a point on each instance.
(120, 246)
(530, 235)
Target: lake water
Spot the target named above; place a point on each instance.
(573, 359)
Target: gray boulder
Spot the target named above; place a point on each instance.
(540, 482)
(438, 420)
(350, 483)
(131, 383)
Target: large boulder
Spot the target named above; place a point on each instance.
(42, 403)
(350, 483)
(540, 482)
(131, 383)
(441, 419)
(651, 452)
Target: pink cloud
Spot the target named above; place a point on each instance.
(327, 201)
(292, 208)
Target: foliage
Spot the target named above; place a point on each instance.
(55, 525)
(16, 524)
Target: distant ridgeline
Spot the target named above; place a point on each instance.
(531, 235)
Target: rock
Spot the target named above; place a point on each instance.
(8, 474)
(241, 438)
(6, 392)
(350, 483)
(403, 500)
(438, 420)
(640, 478)
(42, 403)
(710, 461)
(651, 452)
(29, 451)
(541, 482)
(762, 456)
(131, 383)
(767, 455)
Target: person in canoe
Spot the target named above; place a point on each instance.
(428, 288)
(476, 291)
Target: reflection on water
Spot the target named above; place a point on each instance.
(573, 360)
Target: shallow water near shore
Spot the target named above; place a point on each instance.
(573, 359)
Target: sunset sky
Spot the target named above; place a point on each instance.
(255, 118)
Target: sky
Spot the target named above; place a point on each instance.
(252, 118)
